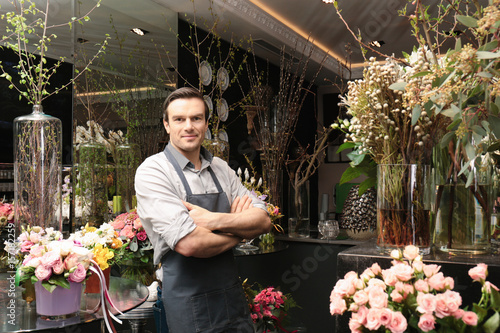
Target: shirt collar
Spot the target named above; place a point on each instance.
(184, 162)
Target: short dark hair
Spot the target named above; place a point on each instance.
(183, 93)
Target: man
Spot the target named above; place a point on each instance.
(195, 210)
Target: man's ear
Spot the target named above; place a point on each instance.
(167, 127)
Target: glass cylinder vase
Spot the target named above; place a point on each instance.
(92, 193)
(404, 194)
(37, 170)
(299, 224)
(127, 162)
(464, 204)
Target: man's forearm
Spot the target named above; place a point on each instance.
(202, 243)
(247, 224)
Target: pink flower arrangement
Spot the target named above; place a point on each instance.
(411, 296)
(129, 227)
(56, 263)
(6, 214)
(268, 308)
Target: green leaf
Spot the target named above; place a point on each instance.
(50, 287)
(458, 45)
(494, 147)
(415, 115)
(485, 74)
(133, 245)
(446, 139)
(487, 55)
(470, 178)
(495, 125)
(489, 46)
(349, 174)
(454, 124)
(367, 184)
(398, 86)
(491, 325)
(495, 299)
(468, 21)
(346, 145)
(356, 157)
(479, 130)
(420, 74)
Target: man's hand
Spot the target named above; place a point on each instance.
(200, 216)
(241, 204)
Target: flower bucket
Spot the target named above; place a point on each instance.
(59, 304)
(404, 194)
(93, 285)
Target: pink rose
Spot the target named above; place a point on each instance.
(447, 303)
(58, 268)
(458, 314)
(117, 224)
(344, 287)
(51, 258)
(426, 303)
(37, 251)
(23, 237)
(449, 283)
(430, 270)
(31, 261)
(398, 323)
(137, 224)
(410, 252)
(337, 304)
(385, 317)
(479, 272)
(34, 237)
(389, 277)
(26, 246)
(128, 232)
(78, 275)
(361, 314)
(43, 272)
(437, 281)
(427, 322)
(402, 271)
(377, 297)
(142, 236)
(367, 274)
(377, 283)
(373, 319)
(396, 296)
(376, 269)
(453, 299)
(422, 286)
(360, 297)
(354, 325)
(470, 318)
(418, 266)
(71, 261)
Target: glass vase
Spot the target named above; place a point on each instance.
(464, 205)
(37, 170)
(299, 224)
(404, 194)
(92, 193)
(127, 162)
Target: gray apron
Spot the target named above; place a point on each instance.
(204, 294)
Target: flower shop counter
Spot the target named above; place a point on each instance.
(17, 316)
(306, 268)
(362, 256)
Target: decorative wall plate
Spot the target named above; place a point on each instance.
(222, 110)
(208, 100)
(208, 134)
(222, 78)
(223, 136)
(205, 72)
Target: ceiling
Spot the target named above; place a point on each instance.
(271, 23)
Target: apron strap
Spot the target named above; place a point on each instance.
(184, 181)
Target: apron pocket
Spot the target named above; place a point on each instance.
(219, 309)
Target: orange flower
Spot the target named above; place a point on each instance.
(117, 243)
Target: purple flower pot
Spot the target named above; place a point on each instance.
(61, 303)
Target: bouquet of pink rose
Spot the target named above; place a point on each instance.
(139, 248)
(56, 263)
(411, 296)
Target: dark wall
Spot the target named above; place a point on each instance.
(241, 143)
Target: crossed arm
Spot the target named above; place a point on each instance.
(244, 221)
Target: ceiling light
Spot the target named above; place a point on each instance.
(139, 31)
(328, 1)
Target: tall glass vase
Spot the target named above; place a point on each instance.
(464, 204)
(37, 170)
(404, 193)
(127, 162)
(92, 192)
(299, 223)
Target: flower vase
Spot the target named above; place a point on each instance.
(93, 283)
(37, 170)
(298, 211)
(463, 206)
(92, 184)
(60, 303)
(127, 156)
(137, 270)
(403, 206)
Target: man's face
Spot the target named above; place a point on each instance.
(186, 125)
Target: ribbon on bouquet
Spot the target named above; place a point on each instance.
(106, 311)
